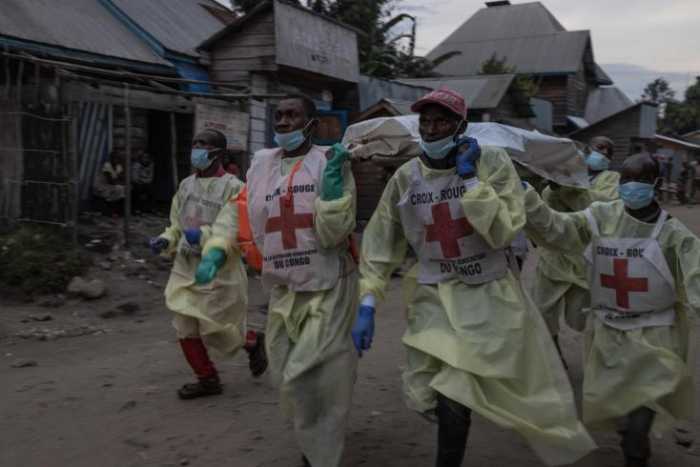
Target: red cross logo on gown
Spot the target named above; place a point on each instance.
(447, 230)
(288, 222)
(622, 283)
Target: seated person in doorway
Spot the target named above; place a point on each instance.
(109, 185)
(141, 181)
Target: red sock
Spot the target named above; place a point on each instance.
(198, 357)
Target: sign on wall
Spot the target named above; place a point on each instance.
(309, 42)
(232, 123)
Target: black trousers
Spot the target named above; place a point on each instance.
(635, 437)
(454, 421)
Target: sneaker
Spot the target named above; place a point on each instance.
(202, 388)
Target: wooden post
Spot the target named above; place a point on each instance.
(37, 80)
(127, 166)
(20, 74)
(173, 151)
(74, 114)
(8, 74)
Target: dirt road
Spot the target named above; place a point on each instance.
(105, 397)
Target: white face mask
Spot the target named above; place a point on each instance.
(441, 148)
(200, 159)
(292, 140)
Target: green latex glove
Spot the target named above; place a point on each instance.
(209, 266)
(333, 174)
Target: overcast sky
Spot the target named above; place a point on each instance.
(654, 36)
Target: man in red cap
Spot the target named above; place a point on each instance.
(474, 340)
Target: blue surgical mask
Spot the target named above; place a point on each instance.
(597, 162)
(292, 140)
(636, 195)
(441, 148)
(200, 159)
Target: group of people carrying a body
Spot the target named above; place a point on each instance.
(612, 261)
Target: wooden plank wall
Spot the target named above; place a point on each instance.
(258, 126)
(306, 41)
(139, 129)
(251, 49)
(577, 94)
(555, 90)
(623, 129)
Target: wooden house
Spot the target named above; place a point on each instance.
(57, 74)
(627, 128)
(281, 48)
(530, 39)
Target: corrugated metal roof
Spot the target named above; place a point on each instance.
(602, 77)
(519, 20)
(646, 125)
(605, 101)
(373, 90)
(402, 107)
(74, 24)
(559, 52)
(578, 121)
(679, 142)
(179, 25)
(480, 91)
(526, 34)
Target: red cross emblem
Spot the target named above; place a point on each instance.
(288, 222)
(623, 284)
(446, 230)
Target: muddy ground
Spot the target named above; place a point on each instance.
(96, 387)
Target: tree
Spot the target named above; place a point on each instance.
(678, 117)
(523, 85)
(496, 66)
(658, 92)
(692, 94)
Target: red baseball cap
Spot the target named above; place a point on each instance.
(447, 98)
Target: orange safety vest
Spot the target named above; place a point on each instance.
(249, 251)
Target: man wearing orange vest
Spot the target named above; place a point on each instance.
(302, 212)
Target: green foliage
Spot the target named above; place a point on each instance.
(496, 66)
(37, 260)
(523, 86)
(658, 91)
(678, 117)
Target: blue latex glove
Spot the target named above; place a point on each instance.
(363, 330)
(158, 245)
(209, 266)
(193, 236)
(332, 188)
(469, 153)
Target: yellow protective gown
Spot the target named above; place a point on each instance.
(561, 286)
(624, 370)
(220, 306)
(308, 341)
(484, 346)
